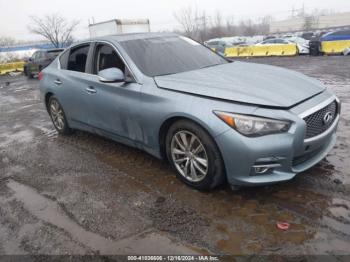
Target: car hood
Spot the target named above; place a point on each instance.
(246, 83)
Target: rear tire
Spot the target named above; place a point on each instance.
(194, 156)
(58, 116)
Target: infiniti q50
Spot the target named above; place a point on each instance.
(214, 120)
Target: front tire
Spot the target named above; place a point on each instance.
(58, 116)
(194, 155)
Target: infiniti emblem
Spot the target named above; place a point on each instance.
(328, 117)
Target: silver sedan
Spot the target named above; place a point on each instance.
(214, 120)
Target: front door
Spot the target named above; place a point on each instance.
(114, 107)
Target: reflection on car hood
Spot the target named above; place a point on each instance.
(245, 82)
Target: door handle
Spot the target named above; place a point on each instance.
(91, 90)
(58, 82)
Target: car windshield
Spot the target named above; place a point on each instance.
(170, 55)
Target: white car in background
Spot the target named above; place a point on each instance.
(303, 48)
(346, 51)
(217, 45)
(303, 44)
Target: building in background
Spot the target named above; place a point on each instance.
(323, 22)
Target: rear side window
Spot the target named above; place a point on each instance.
(35, 55)
(64, 59)
(269, 42)
(106, 57)
(77, 58)
(38, 55)
(280, 41)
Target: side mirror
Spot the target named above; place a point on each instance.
(111, 75)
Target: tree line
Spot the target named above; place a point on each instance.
(199, 25)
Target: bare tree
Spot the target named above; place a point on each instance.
(193, 21)
(263, 27)
(231, 28)
(186, 17)
(54, 28)
(217, 25)
(198, 25)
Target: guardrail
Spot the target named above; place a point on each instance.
(11, 67)
(334, 47)
(263, 50)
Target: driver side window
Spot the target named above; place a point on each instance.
(106, 57)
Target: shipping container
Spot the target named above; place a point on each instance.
(119, 26)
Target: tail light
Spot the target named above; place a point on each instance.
(40, 75)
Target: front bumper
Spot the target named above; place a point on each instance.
(289, 151)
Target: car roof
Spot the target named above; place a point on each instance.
(132, 36)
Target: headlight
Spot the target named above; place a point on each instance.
(253, 126)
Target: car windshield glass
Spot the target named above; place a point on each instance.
(169, 55)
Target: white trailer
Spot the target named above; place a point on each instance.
(119, 26)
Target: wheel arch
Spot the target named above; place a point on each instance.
(170, 121)
(47, 98)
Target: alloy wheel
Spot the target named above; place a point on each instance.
(57, 115)
(189, 156)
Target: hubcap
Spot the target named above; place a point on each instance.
(189, 156)
(57, 114)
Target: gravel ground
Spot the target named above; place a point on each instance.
(84, 194)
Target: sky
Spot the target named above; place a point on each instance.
(15, 14)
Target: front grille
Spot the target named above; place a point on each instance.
(316, 124)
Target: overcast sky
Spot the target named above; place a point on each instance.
(14, 14)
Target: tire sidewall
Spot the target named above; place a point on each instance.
(215, 175)
(66, 129)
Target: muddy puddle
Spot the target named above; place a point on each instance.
(50, 212)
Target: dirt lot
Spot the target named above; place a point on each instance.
(84, 194)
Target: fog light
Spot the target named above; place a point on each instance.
(261, 169)
(264, 168)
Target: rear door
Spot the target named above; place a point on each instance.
(72, 83)
(114, 107)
